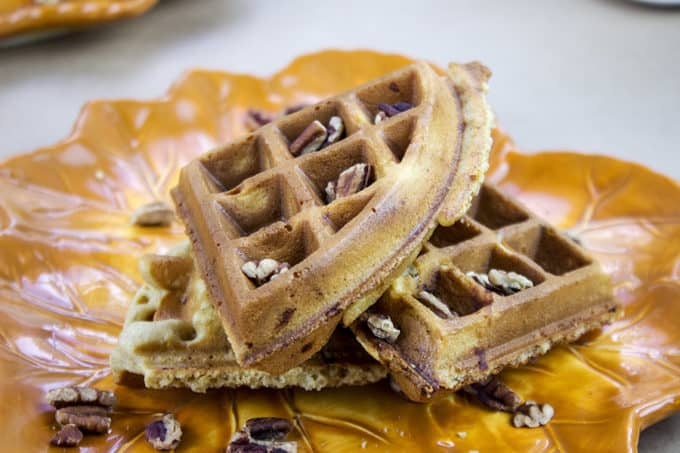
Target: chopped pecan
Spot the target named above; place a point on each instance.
(379, 117)
(335, 128)
(268, 428)
(255, 118)
(532, 415)
(350, 181)
(482, 279)
(264, 270)
(509, 282)
(93, 419)
(382, 327)
(394, 109)
(502, 282)
(263, 435)
(496, 395)
(294, 108)
(436, 305)
(164, 434)
(157, 213)
(79, 396)
(309, 140)
(67, 436)
(330, 191)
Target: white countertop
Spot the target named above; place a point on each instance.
(600, 76)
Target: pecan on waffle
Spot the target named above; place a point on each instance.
(495, 289)
(344, 219)
(173, 338)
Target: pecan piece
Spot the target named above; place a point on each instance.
(509, 282)
(502, 282)
(156, 213)
(78, 396)
(268, 428)
(350, 181)
(394, 109)
(335, 128)
(495, 394)
(381, 326)
(309, 140)
(482, 279)
(435, 304)
(255, 118)
(532, 415)
(264, 270)
(294, 108)
(93, 419)
(67, 436)
(379, 117)
(263, 435)
(164, 434)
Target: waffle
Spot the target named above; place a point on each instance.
(446, 329)
(253, 200)
(172, 337)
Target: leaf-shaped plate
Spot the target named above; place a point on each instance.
(69, 268)
(26, 20)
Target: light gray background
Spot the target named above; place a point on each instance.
(601, 76)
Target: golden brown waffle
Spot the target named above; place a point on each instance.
(173, 338)
(253, 200)
(451, 330)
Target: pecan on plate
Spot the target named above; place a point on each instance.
(156, 213)
(263, 435)
(79, 396)
(67, 436)
(495, 394)
(92, 419)
(532, 415)
(164, 434)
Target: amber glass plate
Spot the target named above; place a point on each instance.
(25, 20)
(69, 268)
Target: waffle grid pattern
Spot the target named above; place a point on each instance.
(253, 199)
(260, 191)
(486, 331)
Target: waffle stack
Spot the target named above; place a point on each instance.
(274, 195)
(498, 288)
(174, 338)
(299, 228)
